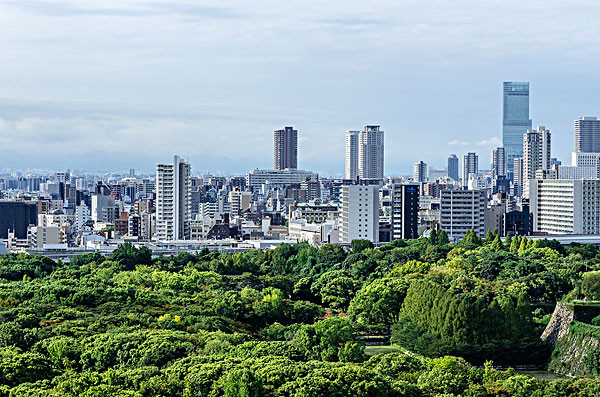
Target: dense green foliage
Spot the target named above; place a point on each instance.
(591, 284)
(287, 321)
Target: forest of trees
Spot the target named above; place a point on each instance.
(290, 321)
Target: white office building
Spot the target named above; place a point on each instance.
(585, 159)
(565, 206)
(575, 172)
(461, 211)
(173, 200)
(255, 179)
(359, 213)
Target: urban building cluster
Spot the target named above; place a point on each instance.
(525, 191)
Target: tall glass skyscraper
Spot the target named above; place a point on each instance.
(453, 167)
(515, 119)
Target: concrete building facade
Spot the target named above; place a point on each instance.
(285, 145)
(587, 135)
(351, 169)
(370, 153)
(565, 206)
(470, 166)
(536, 154)
(420, 171)
(359, 213)
(173, 200)
(461, 211)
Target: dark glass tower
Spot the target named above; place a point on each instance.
(515, 119)
(453, 167)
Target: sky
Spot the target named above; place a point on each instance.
(112, 85)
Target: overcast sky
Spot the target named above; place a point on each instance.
(109, 85)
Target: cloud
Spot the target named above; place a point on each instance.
(493, 141)
(459, 143)
(139, 10)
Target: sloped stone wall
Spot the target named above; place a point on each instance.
(558, 327)
(572, 343)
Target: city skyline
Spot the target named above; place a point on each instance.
(150, 90)
(299, 198)
(294, 155)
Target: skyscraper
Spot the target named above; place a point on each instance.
(587, 135)
(499, 161)
(370, 152)
(352, 154)
(420, 172)
(173, 200)
(518, 176)
(536, 155)
(470, 166)
(285, 143)
(515, 119)
(453, 167)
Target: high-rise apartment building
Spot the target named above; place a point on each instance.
(370, 152)
(499, 161)
(173, 200)
(352, 154)
(536, 154)
(461, 211)
(587, 135)
(453, 167)
(518, 176)
(420, 172)
(515, 119)
(470, 166)
(405, 211)
(285, 143)
(359, 213)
